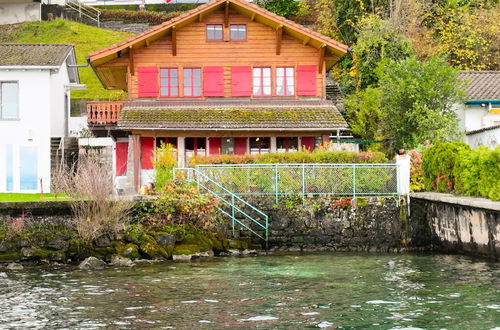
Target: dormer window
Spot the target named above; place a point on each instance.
(238, 32)
(214, 32)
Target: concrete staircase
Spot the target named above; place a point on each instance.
(63, 150)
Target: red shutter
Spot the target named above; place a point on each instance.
(148, 81)
(121, 158)
(306, 80)
(240, 146)
(215, 144)
(213, 81)
(241, 81)
(308, 143)
(147, 147)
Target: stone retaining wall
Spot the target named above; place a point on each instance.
(333, 224)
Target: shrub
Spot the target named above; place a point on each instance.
(438, 163)
(179, 204)
(318, 156)
(416, 172)
(165, 159)
(95, 213)
(132, 16)
(453, 166)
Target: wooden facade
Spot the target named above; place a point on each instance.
(163, 65)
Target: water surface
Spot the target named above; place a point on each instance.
(350, 291)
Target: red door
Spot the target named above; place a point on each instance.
(215, 144)
(240, 146)
(121, 158)
(308, 143)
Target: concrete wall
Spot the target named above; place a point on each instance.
(32, 129)
(489, 138)
(455, 224)
(59, 112)
(15, 12)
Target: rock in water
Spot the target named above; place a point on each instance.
(14, 266)
(391, 264)
(92, 263)
(121, 261)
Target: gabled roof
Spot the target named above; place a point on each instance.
(260, 14)
(34, 55)
(271, 115)
(481, 85)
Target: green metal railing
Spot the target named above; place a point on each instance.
(238, 210)
(281, 180)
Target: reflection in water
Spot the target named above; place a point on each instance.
(335, 290)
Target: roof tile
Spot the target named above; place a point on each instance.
(481, 85)
(33, 54)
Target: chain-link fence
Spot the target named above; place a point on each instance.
(305, 179)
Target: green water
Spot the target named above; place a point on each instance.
(350, 291)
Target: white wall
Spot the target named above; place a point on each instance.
(489, 138)
(33, 126)
(11, 13)
(58, 116)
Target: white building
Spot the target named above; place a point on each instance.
(35, 84)
(480, 114)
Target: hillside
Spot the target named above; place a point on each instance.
(85, 38)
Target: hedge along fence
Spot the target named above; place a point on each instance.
(131, 16)
(454, 167)
(302, 157)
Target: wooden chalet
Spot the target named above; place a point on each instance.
(228, 77)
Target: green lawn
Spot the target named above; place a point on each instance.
(85, 38)
(15, 197)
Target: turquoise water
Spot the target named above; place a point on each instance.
(349, 291)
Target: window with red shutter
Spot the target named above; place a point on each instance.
(213, 81)
(240, 146)
(241, 81)
(306, 80)
(147, 147)
(147, 81)
(121, 158)
(169, 82)
(285, 81)
(262, 81)
(192, 82)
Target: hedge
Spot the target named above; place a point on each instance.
(454, 167)
(324, 157)
(131, 16)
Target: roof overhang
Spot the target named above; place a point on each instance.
(481, 102)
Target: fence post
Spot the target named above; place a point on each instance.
(276, 178)
(232, 211)
(303, 184)
(354, 181)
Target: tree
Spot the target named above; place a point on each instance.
(364, 113)
(417, 101)
(377, 40)
(280, 7)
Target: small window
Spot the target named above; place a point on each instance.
(238, 32)
(262, 81)
(285, 82)
(214, 32)
(287, 144)
(9, 100)
(259, 145)
(169, 83)
(192, 82)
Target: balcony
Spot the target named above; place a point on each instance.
(103, 113)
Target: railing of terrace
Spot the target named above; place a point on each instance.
(103, 113)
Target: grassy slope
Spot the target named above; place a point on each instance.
(85, 38)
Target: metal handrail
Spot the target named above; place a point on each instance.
(195, 176)
(87, 11)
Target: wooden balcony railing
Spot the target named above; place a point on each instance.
(103, 113)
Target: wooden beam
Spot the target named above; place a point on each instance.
(200, 17)
(226, 15)
(252, 17)
(321, 58)
(279, 34)
(131, 61)
(174, 41)
(306, 41)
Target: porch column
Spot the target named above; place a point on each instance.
(273, 144)
(181, 151)
(136, 141)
